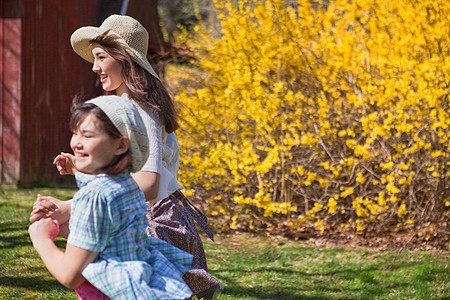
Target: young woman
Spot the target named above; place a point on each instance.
(107, 253)
(118, 50)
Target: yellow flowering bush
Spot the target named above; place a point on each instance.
(323, 112)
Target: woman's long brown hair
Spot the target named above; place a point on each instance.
(145, 89)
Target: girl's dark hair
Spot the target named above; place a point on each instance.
(79, 111)
(145, 89)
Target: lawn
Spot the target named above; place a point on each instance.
(251, 267)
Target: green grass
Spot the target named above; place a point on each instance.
(251, 267)
(22, 273)
(276, 268)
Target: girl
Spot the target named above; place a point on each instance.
(107, 252)
(118, 50)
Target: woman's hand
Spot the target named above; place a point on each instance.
(49, 207)
(45, 228)
(65, 163)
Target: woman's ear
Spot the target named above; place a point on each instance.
(124, 145)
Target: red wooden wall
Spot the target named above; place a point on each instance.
(39, 76)
(52, 73)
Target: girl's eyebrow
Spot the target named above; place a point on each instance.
(85, 131)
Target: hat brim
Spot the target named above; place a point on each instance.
(81, 44)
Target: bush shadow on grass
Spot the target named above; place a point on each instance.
(30, 283)
(315, 290)
(17, 235)
(14, 235)
(320, 283)
(9, 227)
(266, 293)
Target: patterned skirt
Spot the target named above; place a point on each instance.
(173, 220)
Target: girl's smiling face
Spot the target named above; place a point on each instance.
(93, 148)
(108, 69)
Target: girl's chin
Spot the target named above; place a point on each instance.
(84, 169)
(89, 172)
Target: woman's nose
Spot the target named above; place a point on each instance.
(95, 68)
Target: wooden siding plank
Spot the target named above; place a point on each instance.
(10, 37)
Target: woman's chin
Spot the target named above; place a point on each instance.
(107, 88)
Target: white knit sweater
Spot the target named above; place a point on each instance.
(164, 153)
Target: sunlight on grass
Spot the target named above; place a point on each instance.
(23, 275)
(255, 267)
(251, 267)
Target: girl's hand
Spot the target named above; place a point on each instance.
(45, 228)
(49, 207)
(64, 230)
(65, 163)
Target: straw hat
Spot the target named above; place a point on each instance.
(125, 116)
(132, 35)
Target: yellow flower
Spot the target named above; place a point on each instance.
(289, 103)
(402, 211)
(359, 225)
(332, 205)
(360, 178)
(347, 192)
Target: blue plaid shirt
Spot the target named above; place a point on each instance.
(108, 217)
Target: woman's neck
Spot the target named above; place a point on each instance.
(123, 91)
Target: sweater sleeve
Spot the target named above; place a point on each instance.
(154, 131)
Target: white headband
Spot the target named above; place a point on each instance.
(125, 116)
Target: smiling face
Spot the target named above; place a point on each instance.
(108, 69)
(93, 148)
